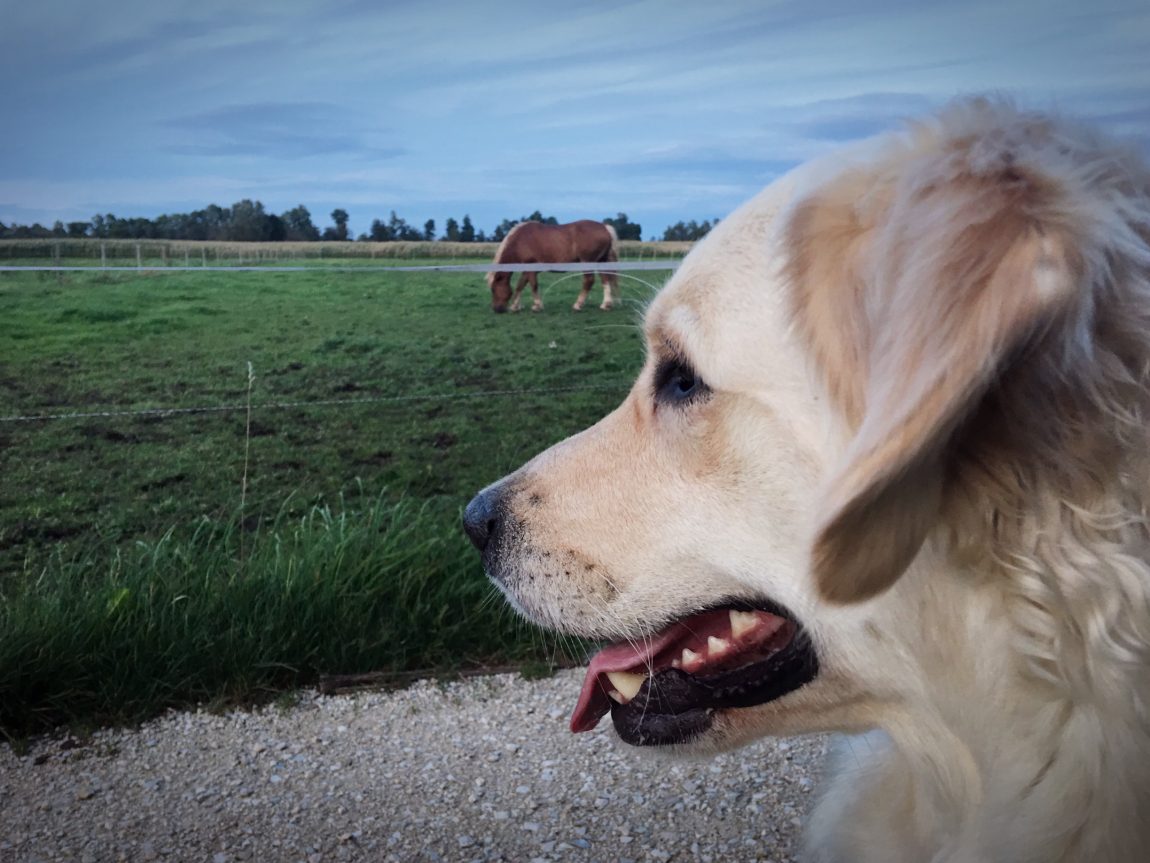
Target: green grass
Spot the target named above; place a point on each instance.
(220, 617)
(130, 577)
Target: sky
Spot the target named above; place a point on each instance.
(664, 110)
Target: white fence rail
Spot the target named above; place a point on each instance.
(586, 267)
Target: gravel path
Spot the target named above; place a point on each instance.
(483, 770)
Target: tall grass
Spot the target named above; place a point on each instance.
(184, 619)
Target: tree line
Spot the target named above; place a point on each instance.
(249, 221)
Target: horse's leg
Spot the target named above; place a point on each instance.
(608, 280)
(536, 306)
(518, 292)
(588, 281)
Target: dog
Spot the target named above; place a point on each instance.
(885, 472)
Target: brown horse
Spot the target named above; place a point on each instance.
(538, 243)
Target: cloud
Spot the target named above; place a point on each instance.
(855, 117)
(666, 111)
(279, 130)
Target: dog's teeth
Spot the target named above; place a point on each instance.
(690, 658)
(717, 646)
(617, 697)
(626, 683)
(742, 622)
(676, 663)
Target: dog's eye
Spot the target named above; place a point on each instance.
(677, 383)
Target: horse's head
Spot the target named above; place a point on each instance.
(500, 284)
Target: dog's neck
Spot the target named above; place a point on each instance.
(1031, 760)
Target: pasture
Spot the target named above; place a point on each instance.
(158, 559)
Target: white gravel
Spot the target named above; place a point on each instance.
(483, 770)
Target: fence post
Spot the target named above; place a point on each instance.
(139, 261)
(103, 254)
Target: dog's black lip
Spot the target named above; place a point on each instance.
(673, 706)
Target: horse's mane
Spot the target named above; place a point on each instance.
(503, 246)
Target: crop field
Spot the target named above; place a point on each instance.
(155, 559)
(174, 253)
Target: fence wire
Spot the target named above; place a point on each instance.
(243, 406)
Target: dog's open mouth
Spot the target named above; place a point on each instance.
(666, 689)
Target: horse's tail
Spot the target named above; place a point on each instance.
(608, 278)
(613, 254)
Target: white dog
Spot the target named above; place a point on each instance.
(886, 469)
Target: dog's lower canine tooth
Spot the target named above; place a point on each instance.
(626, 683)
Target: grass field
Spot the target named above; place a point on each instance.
(153, 560)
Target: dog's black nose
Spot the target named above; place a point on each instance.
(481, 518)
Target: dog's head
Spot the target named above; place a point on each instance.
(839, 377)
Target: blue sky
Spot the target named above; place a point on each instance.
(665, 110)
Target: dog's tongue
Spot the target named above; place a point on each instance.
(594, 703)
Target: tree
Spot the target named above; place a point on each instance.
(688, 230)
(248, 222)
(400, 230)
(298, 225)
(216, 220)
(396, 228)
(35, 231)
(340, 217)
(276, 230)
(625, 229)
(505, 226)
(502, 229)
(379, 233)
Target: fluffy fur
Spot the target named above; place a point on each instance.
(924, 432)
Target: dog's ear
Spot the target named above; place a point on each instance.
(963, 282)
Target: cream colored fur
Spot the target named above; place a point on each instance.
(926, 436)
